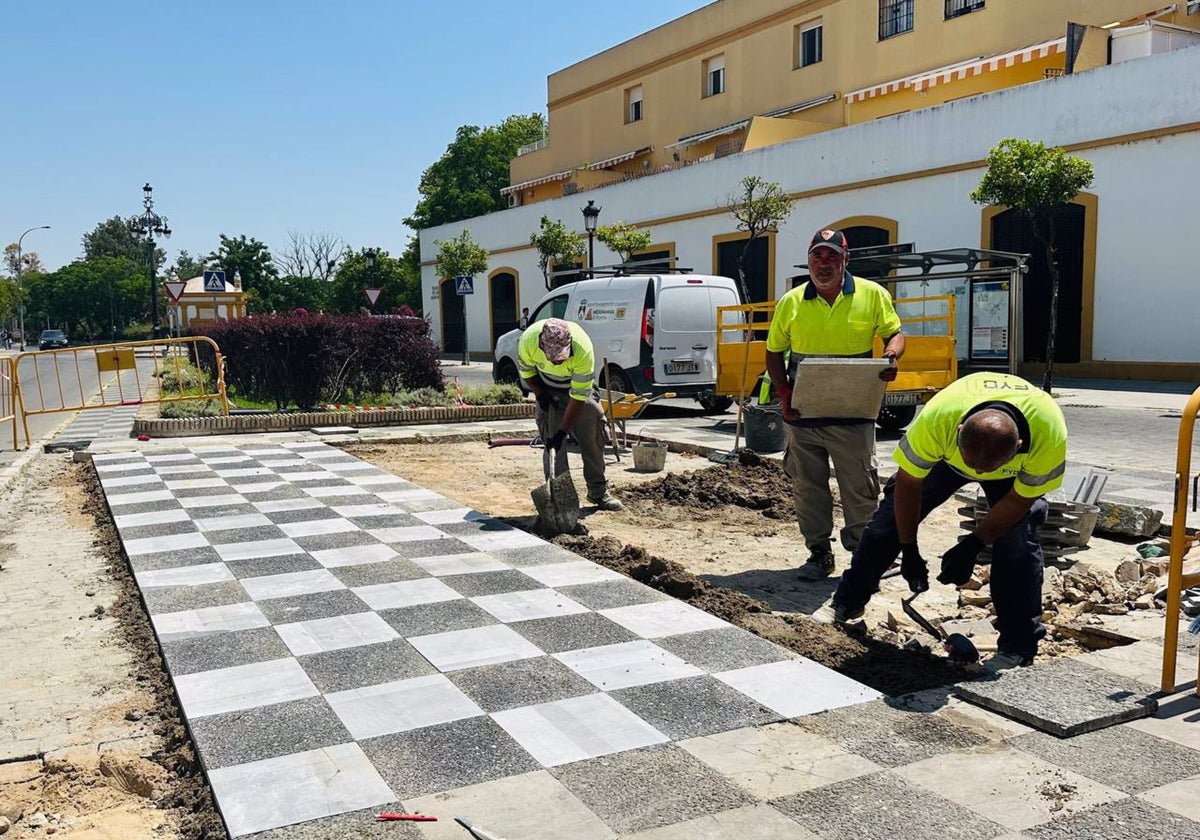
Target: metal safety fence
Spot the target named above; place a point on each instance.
(1181, 541)
(8, 398)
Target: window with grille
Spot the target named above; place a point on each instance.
(714, 76)
(633, 104)
(956, 8)
(810, 43)
(895, 17)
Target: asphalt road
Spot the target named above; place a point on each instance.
(50, 380)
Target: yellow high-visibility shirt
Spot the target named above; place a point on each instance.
(575, 374)
(1039, 464)
(808, 326)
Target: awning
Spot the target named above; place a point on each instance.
(801, 106)
(692, 139)
(615, 159)
(884, 88)
(524, 185)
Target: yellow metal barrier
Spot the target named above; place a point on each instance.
(1177, 581)
(8, 397)
(189, 368)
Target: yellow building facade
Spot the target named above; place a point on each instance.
(735, 75)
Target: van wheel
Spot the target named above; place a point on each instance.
(506, 374)
(712, 404)
(618, 380)
(893, 418)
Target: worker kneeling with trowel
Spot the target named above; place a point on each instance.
(556, 362)
(1009, 436)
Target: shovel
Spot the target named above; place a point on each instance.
(556, 501)
(958, 647)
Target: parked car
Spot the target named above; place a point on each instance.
(51, 339)
(658, 332)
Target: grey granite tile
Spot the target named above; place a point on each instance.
(175, 559)
(389, 571)
(490, 583)
(1121, 757)
(354, 825)
(312, 606)
(223, 650)
(425, 505)
(881, 806)
(442, 617)
(357, 667)
(1064, 697)
(525, 682)
(200, 473)
(279, 494)
(723, 649)
(223, 489)
(178, 598)
(890, 737)
(149, 507)
(573, 632)
(313, 514)
(392, 520)
(475, 526)
(431, 548)
(648, 788)
(267, 732)
(692, 707)
(1125, 819)
(282, 564)
(447, 756)
(241, 535)
(165, 529)
(607, 594)
(537, 555)
(346, 539)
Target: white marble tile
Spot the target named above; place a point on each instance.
(185, 576)
(128, 466)
(221, 500)
(230, 523)
(573, 572)
(343, 631)
(460, 564)
(376, 480)
(460, 649)
(318, 526)
(528, 605)
(130, 480)
(797, 687)
(410, 495)
(663, 618)
(332, 492)
(172, 542)
(351, 466)
(577, 729)
(287, 504)
(257, 548)
(312, 475)
(168, 459)
(189, 624)
(400, 706)
(491, 541)
(104, 457)
(324, 453)
(352, 511)
(260, 487)
(243, 687)
(158, 517)
(288, 584)
(630, 663)
(141, 498)
(226, 459)
(405, 593)
(410, 533)
(441, 517)
(180, 469)
(282, 462)
(257, 451)
(195, 483)
(355, 556)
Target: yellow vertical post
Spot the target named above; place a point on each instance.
(1175, 576)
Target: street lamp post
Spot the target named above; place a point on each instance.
(20, 290)
(591, 214)
(148, 226)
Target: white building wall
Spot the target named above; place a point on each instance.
(1146, 195)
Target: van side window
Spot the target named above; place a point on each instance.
(556, 307)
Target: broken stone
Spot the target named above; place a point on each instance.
(1144, 602)
(1129, 571)
(1074, 595)
(973, 584)
(1107, 609)
(894, 622)
(1123, 520)
(978, 627)
(37, 820)
(921, 641)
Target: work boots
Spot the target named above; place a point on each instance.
(819, 566)
(607, 502)
(832, 612)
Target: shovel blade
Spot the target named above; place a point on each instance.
(557, 504)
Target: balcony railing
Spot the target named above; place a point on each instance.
(956, 8)
(533, 147)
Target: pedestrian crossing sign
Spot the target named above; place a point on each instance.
(464, 285)
(214, 281)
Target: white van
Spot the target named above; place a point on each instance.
(658, 332)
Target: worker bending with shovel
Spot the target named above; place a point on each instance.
(1009, 436)
(556, 362)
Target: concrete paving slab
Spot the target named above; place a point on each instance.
(223, 650)
(1179, 797)
(352, 825)
(369, 574)
(358, 667)
(795, 687)
(526, 682)
(692, 707)
(267, 732)
(577, 728)
(723, 649)
(611, 593)
(173, 599)
(1063, 697)
(1176, 720)
(429, 619)
(311, 606)
(572, 632)
(753, 822)
(1127, 819)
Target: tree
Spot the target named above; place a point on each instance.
(112, 238)
(252, 259)
(466, 181)
(461, 256)
(556, 245)
(102, 296)
(388, 273)
(186, 267)
(410, 268)
(31, 263)
(760, 208)
(625, 240)
(310, 255)
(1034, 181)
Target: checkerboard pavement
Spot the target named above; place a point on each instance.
(343, 641)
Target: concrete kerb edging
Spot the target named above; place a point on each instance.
(251, 423)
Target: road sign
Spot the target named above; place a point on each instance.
(214, 281)
(175, 289)
(464, 285)
(372, 295)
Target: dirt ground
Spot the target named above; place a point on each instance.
(91, 745)
(724, 538)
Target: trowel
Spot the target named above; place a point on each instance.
(957, 646)
(557, 501)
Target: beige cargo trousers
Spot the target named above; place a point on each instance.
(851, 448)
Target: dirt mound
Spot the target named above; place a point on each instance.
(753, 482)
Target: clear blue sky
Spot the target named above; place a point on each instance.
(258, 117)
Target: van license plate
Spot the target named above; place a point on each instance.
(902, 399)
(683, 367)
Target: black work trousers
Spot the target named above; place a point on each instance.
(1017, 560)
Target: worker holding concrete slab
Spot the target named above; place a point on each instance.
(833, 315)
(1008, 435)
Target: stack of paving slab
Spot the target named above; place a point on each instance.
(1067, 530)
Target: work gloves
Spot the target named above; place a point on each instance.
(544, 401)
(959, 562)
(556, 442)
(889, 375)
(785, 398)
(913, 568)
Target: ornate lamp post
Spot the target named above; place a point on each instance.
(21, 291)
(591, 215)
(148, 227)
